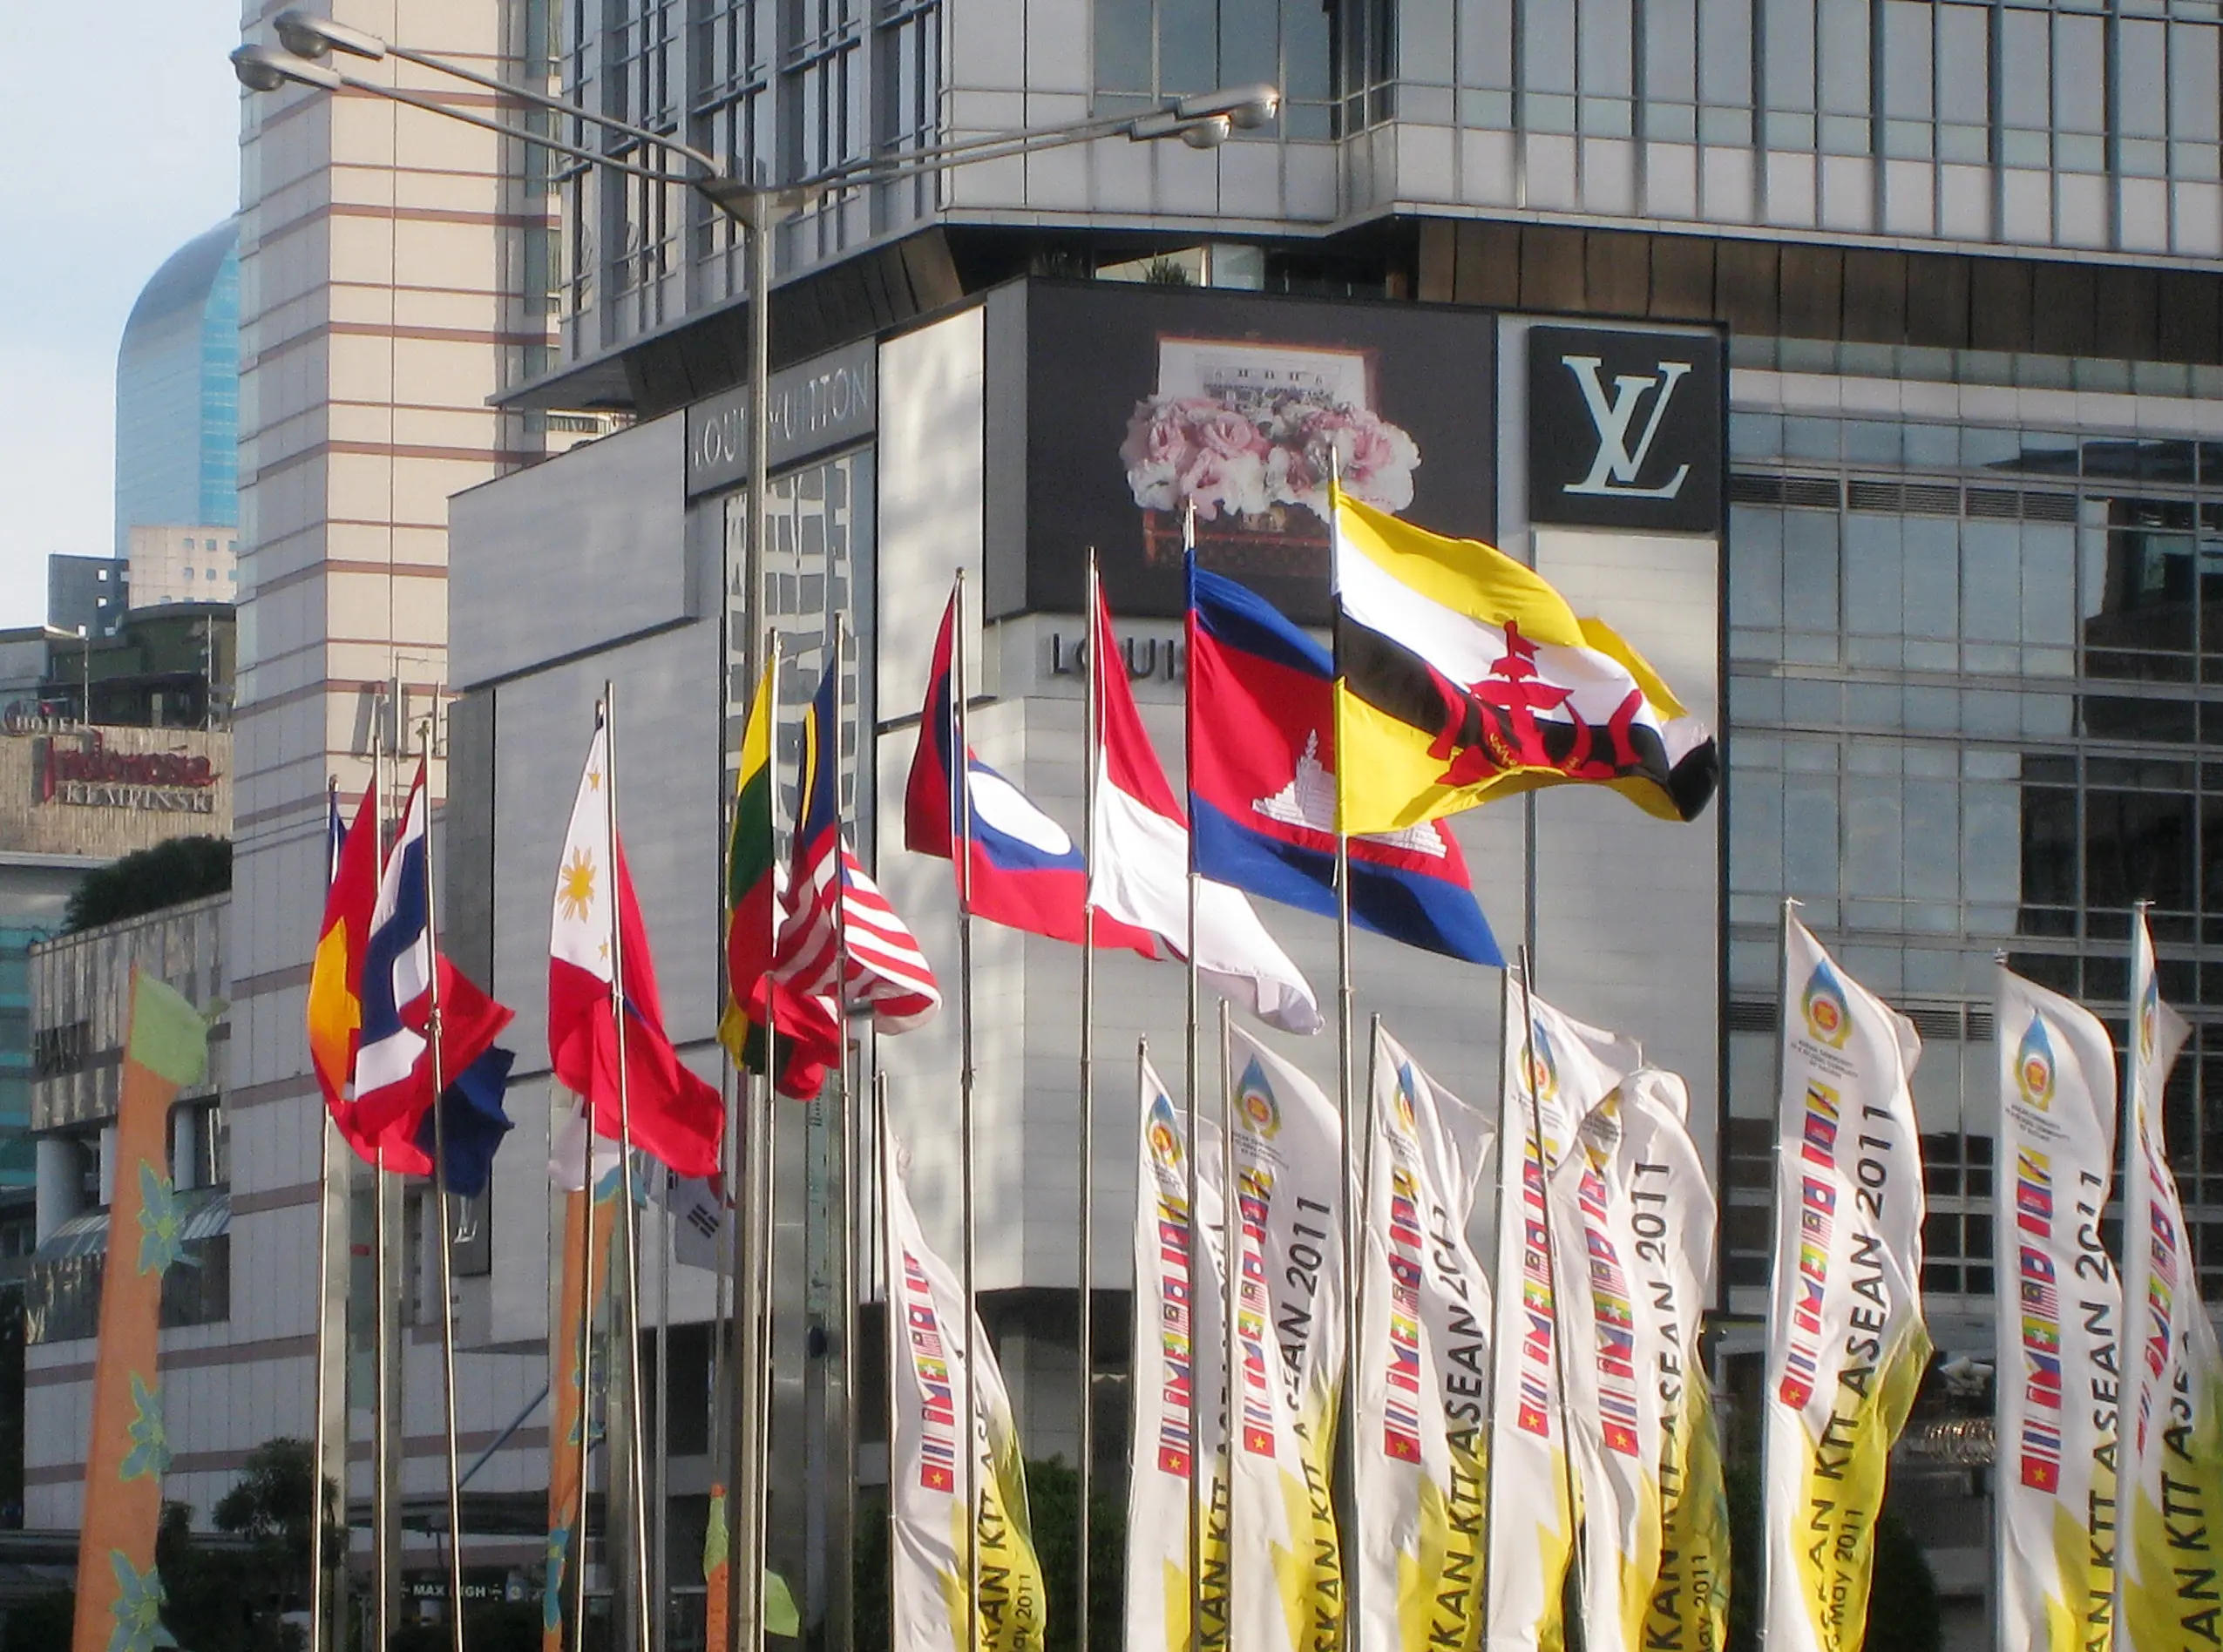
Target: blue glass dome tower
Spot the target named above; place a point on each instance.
(178, 392)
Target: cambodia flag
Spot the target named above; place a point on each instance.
(1025, 871)
(1262, 785)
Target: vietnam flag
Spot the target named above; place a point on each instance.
(672, 1114)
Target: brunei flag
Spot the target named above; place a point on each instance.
(1462, 676)
(752, 889)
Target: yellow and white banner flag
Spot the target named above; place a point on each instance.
(1633, 1220)
(2059, 1324)
(1423, 1372)
(937, 1539)
(2172, 1399)
(1285, 1559)
(1179, 1389)
(1849, 1344)
(1556, 1071)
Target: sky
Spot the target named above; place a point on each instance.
(121, 123)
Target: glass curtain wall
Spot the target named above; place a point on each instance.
(774, 91)
(2043, 122)
(1976, 704)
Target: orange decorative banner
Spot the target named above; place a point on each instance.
(567, 1442)
(119, 1594)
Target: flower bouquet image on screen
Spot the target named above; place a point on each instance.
(1248, 434)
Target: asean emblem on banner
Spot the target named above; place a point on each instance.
(2034, 1067)
(2149, 1019)
(1165, 1140)
(1829, 1018)
(1542, 1063)
(1408, 1125)
(1261, 1112)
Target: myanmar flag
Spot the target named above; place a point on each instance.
(752, 896)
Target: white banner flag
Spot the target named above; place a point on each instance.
(1556, 1070)
(1423, 1372)
(934, 1529)
(1849, 1346)
(2172, 1410)
(2059, 1323)
(1179, 1389)
(1286, 1564)
(1633, 1219)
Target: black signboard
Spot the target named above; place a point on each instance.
(1624, 428)
(1141, 401)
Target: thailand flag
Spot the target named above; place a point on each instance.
(1262, 785)
(394, 1073)
(1023, 870)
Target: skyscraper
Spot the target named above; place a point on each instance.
(178, 392)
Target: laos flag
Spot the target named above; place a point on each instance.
(1023, 870)
(1262, 785)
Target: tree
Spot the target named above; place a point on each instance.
(270, 1507)
(146, 880)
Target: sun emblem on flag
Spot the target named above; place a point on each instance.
(1401, 1104)
(575, 886)
(1543, 1062)
(1829, 1018)
(2034, 1067)
(1255, 1105)
(1165, 1140)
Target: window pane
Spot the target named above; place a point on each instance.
(1756, 567)
(1906, 60)
(2026, 69)
(2138, 846)
(1671, 50)
(1932, 580)
(1123, 45)
(2079, 63)
(1607, 49)
(2193, 91)
(2049, 846)
(1873, 576)
(1188, 45)
(1790, 53)
(1876, 848)
(1547, 46)
(1843, 50)
(1725, 52)
(2142, 95)
(1485, 43)
(1810, 836)
(1809, 571)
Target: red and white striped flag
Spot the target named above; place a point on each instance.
(886, 973)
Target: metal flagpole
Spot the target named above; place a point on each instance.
(1504, 1146)
(659, 1565)
(753, 1238)
(1091, 738)
(435, 1042)
(1230, 1274)
(320, 1443)
(589, 1300)
(883, 1168)
(845, 1260)
(629, 1215)
(965, 1102)
(1347, 1447)
(381, 1423)
(1191, 1061)
(1535, 1136)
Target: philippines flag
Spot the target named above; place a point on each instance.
(394, 1076)
(1023, 870)
(1262, 785)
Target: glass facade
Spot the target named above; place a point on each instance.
(773, 93)
(1974, 707)
(178, 393)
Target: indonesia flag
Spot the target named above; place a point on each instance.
(670, 1112)
(1023, 870)
(1141, 876)
(1262, 785)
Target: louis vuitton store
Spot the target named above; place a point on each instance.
(1945, 606)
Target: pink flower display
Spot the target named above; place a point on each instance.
(1243, 462)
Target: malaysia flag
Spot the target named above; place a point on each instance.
(1024, 869)
(1262, 785)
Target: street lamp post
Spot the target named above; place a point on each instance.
(308, 43)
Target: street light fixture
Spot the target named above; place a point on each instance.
(1205, 120)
